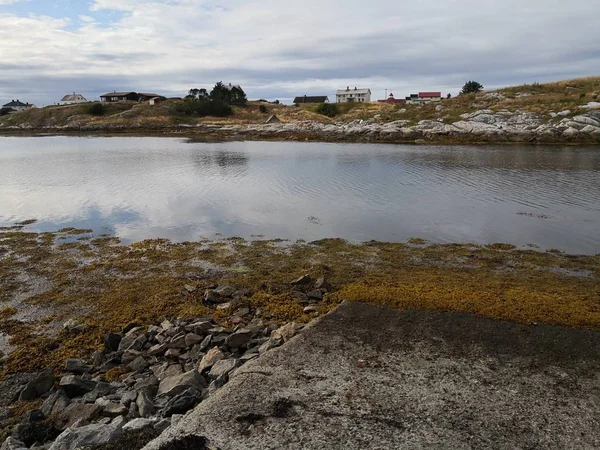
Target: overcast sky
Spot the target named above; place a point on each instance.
(277, 49)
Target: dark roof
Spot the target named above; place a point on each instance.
(15, 103)
(311, 99)
(429, 94)
(149, 94)
(118, 94)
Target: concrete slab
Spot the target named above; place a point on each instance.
(367, 377)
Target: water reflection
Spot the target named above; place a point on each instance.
(147, 187)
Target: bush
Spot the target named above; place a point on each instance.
(202, 108)
(471, 87)
(6, 111)
(96, 109)
(262, 109)
(327, 109)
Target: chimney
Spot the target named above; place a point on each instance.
(347, 88)
(354, 87)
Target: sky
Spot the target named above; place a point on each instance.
(279, 49)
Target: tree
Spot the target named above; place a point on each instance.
(471, 87)
(327, 109)
(197, 94)
(96, 109)
(6, 111)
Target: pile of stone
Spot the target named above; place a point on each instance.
(158, 374)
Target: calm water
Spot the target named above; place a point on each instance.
(140, 188)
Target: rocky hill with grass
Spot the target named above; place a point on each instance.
(561, 112)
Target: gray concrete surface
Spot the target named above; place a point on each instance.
(366, 377)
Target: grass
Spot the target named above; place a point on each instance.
(108, 285)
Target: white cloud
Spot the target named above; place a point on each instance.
(278, 49)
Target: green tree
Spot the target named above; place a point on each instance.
(327, 109)
(471, 87)
(96, 109)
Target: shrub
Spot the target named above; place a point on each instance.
(471, 87)
(262, 109)
(96, 109)
(327, 109)
(6, 111)
(204, 107)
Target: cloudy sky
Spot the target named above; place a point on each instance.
(283, 48)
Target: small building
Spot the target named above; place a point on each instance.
(311, 99)
(147, 96)
(424, 97)
(156, 100)
(353, 95)
(73, 98)
(392, 100)
(18, 106)
(112, 97)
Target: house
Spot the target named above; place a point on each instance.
(73, 98)
(147, 96)
(17, 106)
(424, 97)
(392, 100)
(120, 97)
(311, 99)
(353, 95)
(155, 100)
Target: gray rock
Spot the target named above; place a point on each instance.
(111, 409)
(55, 404)
(205, 343)
(31, 432)
(223, 367)
(175, 418)
(178, 342)
(162, 425)
(269, 345)
(145, 405)
(315, 294)
(158, 349)
(89, 436)
(167, 370)
(148, 383)
(139, 364)
(112, 341)
(322, 283)
(210, 297)
(34, 415)
(181, 403)
(189, 288)
(225, 290)
(239, 338)
(192, 339)
(166, 325)
(210, 359)
(172, 353)
(74, 412)
(75, 386)
(128, 397)
(309, 309)
(285, 332)
(41, 384)
(133, 412)
(13, 444)
(172, 386)
(137, 425)
(201, 327)
(74, 326)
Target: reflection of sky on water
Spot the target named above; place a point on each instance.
(140, 188)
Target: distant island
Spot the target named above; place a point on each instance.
(561, 112)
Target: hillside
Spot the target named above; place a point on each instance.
(565, 110)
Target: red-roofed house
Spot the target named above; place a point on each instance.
(392, 100)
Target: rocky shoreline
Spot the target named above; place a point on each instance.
(143, 380)
(481, 126)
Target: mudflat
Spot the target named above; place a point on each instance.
(370, 377)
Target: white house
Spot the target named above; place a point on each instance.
(424, 97)
(73, 98)
(353, 95)
(18, 106)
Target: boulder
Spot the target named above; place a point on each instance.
(75, 386)
(55, 404)
(172, 386)
(158, 349)
(210, 297)
(129, 356)
(77, 366)
(112, 341)
(304, 280)
(167, 370)
(73, 326)
(111, 409)
(285, 332)
(223, 367)
(137, 425)
(41, 384)
(77, 412)
(31, 432)
(269, 345)
(139, 364)
(144, 404)
(89, 436)
(13, 444)
(210, 359)
(181, 403)
(162, 425)
(322, 283)
(315, 294)
(225, 290)
(239, 338)
(201, 327)
(192, 339)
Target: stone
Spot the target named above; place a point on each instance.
(139, 364)
(158, 349)
(74, 412)
(129, 356)
(210, 297)
(201, 327)
(322, 283)
(166, 325)
(144, 404)
(172, 386)
(205, 343)
(192, 339)
(175, 418)
(167, 370)
(188, 288)
(111, 409)
(34, 415)
(149, 383)
(225, 290)
(309, 309)
(300, 297)
(172, 353)
(315, 294)
(77, 366)
(178, 342)
(269, 345)
(31, 432)
(90, 436)
(224, 306)
(75, 386)
(73, 326)
(181, 403)
(223, 367)
(285, 332)
(55, 404)
(133, 412)
(35, 388)
(162, 425)
(137, 425)
(239, 338)
(128, 397)
(97, 358)
(13, 444)
(102, 389)
(304, 280)
(214, 355)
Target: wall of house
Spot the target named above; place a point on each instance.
(352, 96)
